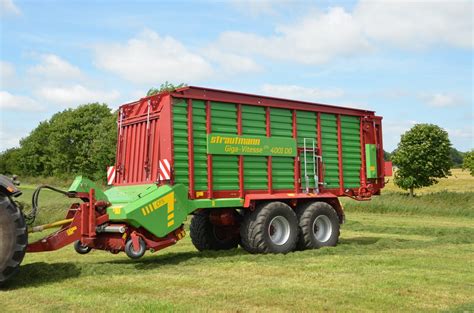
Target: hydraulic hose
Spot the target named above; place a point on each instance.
(31, 216)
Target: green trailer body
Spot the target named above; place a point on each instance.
(210, 149)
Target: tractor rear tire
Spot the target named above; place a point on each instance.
(271, 228)
(318, 224)
(13, 238)
(206, 236)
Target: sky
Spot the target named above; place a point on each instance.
(410, 61)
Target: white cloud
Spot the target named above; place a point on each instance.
(75, 94)
(461, 133)
(55, 68)
(7, 7)
(320, 37)
(442, 100)
(231, 63)
(315, 39)
(417, 24)
(301, 93)
(151, 58)
(10, 101)
(7, 74)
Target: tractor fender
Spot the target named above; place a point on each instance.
(8, 188)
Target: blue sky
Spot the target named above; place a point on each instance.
(411, 62)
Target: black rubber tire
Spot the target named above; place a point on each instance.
(13, 238)
(80, 248)
(131, 253)
(204, 237)
(307, 215)
(245, 233)
(255, 233)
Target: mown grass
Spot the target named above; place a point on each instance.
(396, 253)
(384, 262)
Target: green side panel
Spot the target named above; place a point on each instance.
(82, 184)
(306, 127)
(200, 141)
(255, 167)
(371, 160)
(160, 210)
(225, 168)
(217, 203)
(351, 160)
(180, 140)
(281, 123)
(121, 195)
(330, 151)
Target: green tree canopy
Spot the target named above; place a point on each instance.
(456, 157)
(78, 141)
(422, 156)
(469, 162)
(9, 161)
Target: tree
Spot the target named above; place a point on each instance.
(165, 87)
(386, 155)
(456, 157)
(34, 156)
(422, 156)
(78, 141)
(468, 162)
(9, 161)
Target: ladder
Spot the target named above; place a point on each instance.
(310, 157)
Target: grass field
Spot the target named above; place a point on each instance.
(396, 253)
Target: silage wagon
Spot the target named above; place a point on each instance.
(260, 172)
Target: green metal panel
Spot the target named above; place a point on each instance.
(180, 140)
(199, 140)
(217, 203)
(160, 210)
(306, 127)
(281, 124)
(351, 160)
(255, 167)
(371, 160)
(330, 151)
(82, 184)
(119, 195)
(225, 168)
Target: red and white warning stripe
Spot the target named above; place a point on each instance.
(110, 175)
(165, 170)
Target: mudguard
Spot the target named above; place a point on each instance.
(8, 188)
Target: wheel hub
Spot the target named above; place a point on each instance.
(279, 230)
(322, 228)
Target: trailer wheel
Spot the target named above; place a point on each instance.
(271, 228)
(206, 236)
(80, 248)
(13, 238)
(319, 226)
(131, 252)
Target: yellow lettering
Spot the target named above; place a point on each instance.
(71, 231)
